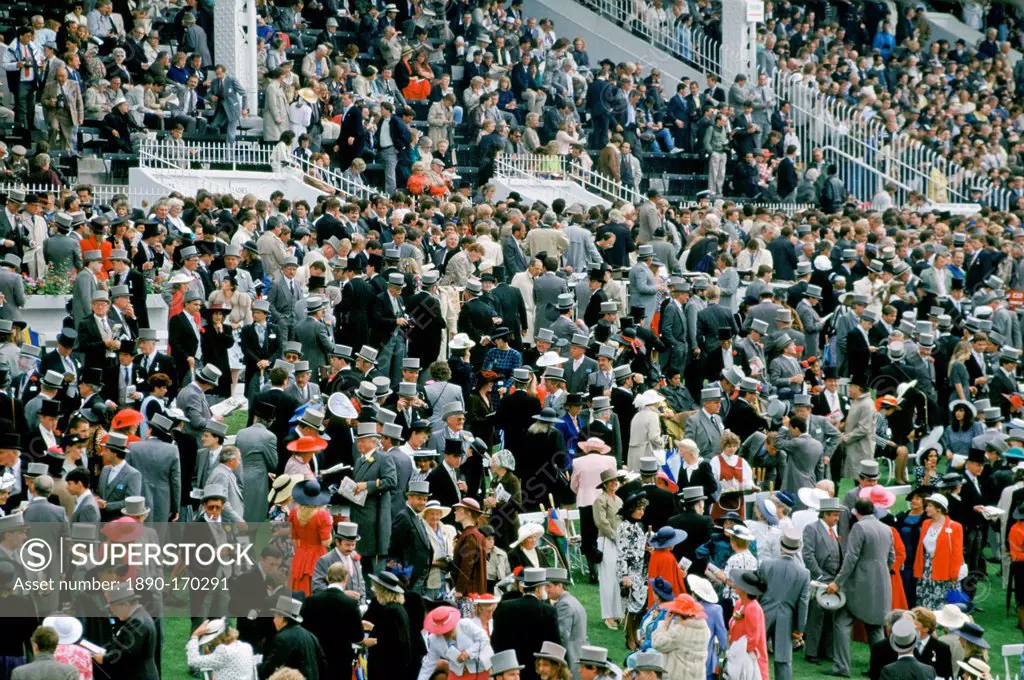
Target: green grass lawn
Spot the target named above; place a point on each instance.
(1000, 628)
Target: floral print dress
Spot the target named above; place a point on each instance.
(631, 541)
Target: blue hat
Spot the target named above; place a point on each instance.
(666, 537)
(973, 633)
(662, 589)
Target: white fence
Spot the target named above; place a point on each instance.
(194, 157)
(565, 168)
(103, 194)
(691, 45)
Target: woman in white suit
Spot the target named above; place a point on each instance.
(460, 642)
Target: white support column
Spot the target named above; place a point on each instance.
(234, 30)
(739, 38)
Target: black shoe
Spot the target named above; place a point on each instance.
(836, 674)
(812, 659)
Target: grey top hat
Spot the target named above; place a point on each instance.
(367, 391)
(261, 306)
(217, 428)
(393, 431)
(609, 307)
(474, 287)
(733, 374)
(411, 364)
(385, 416)
(313, 418)
(534, 577)
(407, 389)
(366, 430)
(565, 301)
(302, 367)
(292, 346)
(346, 530)
(710, 393)
(580, 340)
(650, 661)
(420, 488)
(121, 592)
(53, 379)
(521, 375)
(552, 651)
(368, 353)
(288, 607)
(645, 252)
(36, 470)
(622, 372)
(214, 491)
(759, 326)
(503, 662)
(116, 441)
(692, 494)
(554, 373)
(290, 261)
(829, 505)
(101, 296)
(546, 334)
(286, 365)
(429, 278)
(30, 351)
(904, 636)
(135, 506)
(209, 374)
(869, 469)
(343, 351)
(801, 399)
(601, 404)
(593, 656)
(189, 251)
(606, 351)
(396, 279)
(648, 465)
(147, 334)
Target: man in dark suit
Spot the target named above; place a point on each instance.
(183, 333)
(857, 348)
(351, 138)
(352, 314)
(787, 178)
(510, 306)
(135, 641)
(261, 346)
(118, 479)
(1004, 380)
(410, 543)
(293, 646)
(711, 320)
(254, 592)
(661, 503)
(124, 275)
(745, 132)
(476, 319)
(148, 362)
(580, 367)
(97, 340)
(930, 650)
(784, 259)
(446, 486)
(903, 640)
(334, 619)
(284, 408)
(694, 522)
(526, 623)
(428, 329)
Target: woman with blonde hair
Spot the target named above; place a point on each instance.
(391, 654)
(227, 657)
(959, 380)
(311, 531)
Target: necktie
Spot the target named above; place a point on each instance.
(832, 533)
(261, 332)
(127, 379)
(291, 284)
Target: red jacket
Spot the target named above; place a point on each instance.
(470, 562)
(949, 551)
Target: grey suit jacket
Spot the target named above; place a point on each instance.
(259, 457)
(374, 517)
(62, 250)
(729, 284)
(785, 602)
(313, 395)
(1006, 324)
(703, 432)
(572, 627)
(403, 473)
(85, 288)
(673, 328)
(811, 322)
(564, 328)
(234, 508)
(160, 466)
(127, 483)
(804, 465)
(88, 511)
(694, 306)
(582, 249)
(45, 668)
(648, 219)
(283, 302)
(439, 395)
(869, 554)
(578, 380)
(192, 401)
(317, 343)
(43, 511)
(642, 291)
(822, 554)
(546, 289)
(13, 288)
(205, 462)
(355, 579)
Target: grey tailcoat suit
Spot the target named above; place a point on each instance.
(355, 578)
(45, 667)
(317, 343)
(546, 289)
(259, 456)
(705, 434)
(578, 379)
(642, 291)
(192, 401)
(84, 291)
(785, 607)
(804, 466)
(160, 466)
(87, 511)
(284, 297)
(48, 522)
(128, 482)
(13, 288)
(868, 555)
(822, 556)
(572, 625)
(812, 327)
(374, 518)
(403, 473)
(225, 476)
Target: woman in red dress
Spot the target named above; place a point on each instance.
(311, 531)
(663, 563)
(748, 617)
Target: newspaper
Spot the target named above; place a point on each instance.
(348, 490)
(501, 495)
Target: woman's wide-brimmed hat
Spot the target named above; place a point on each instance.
(281, 488)
(442, 620)
(435, 505)
(951, 617)
(310, 493)
(879, 496)
(593, 445)
(666, 537)
(701, 588)
(527, 531)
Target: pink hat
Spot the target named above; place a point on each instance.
(442, 620)
(879, 496)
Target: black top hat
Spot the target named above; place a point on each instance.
(453, 447)
(92, 376)
(10, 440)
(68, 337)
(50, 407)
(574, 399)
(976, 456)
(127, 347)
(263, 410)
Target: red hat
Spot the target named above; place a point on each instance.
(309, 444)
(123, 530)
(879, 496)
(442, 620)
(128, 417)
(684, 605)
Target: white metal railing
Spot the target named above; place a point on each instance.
(138, 197)
(515, 168)
(541, 167)
(336, 180)
(664, 32)
(854, 171)
(875, 154)
(787, 208)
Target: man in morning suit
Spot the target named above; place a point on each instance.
(526, 623)
(410, 543)
(135, 640)
(903, 640)
(118, 479)
(261, 346)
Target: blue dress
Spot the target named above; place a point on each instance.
(960, 442)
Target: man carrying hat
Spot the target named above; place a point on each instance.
(315, 336)
(84, 290)
(822, 557)
(527, 623)
(388, 329)
(136, 641)
(410, 543)
(118, 480)
(572, 617)
(786, 599)
(374, 473)
(261, 343)
(859, 433)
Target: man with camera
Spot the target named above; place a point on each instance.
(65, 110)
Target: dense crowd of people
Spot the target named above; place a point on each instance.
(433, 376)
